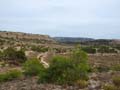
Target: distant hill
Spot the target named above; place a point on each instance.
(98, 42)
(72, 39)
(87, 41)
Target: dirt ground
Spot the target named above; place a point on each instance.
(104, 59)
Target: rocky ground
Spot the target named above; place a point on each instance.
(96, 82)
(104, 59)
(31, 84)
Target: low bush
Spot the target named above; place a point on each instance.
(39, 49)
(90, 50)
(13, 74)
(109, 87)
(106, 49)
(117, 47)
(10, 55)
(82, 84)
(2, 77)
(116, 81)
(33, 67)
(2, 64)
(116, 67)
(67, 70)
(80, 60)
(102, 69)
(10, 75)
(1, 56)
(21, 56)
(61, 71)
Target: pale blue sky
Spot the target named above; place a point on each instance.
(77, 18)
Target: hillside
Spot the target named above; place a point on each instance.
(26, 37)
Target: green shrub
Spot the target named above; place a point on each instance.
(82, 84)
(117, 47)
(1, 55)
(2, 64)
(33, 67)
(116, 67)
(13, 56)
(9, 54)
(10, 75)
(89, 50)
(116, 81)
(109, 87)
(63, 70)
(102, 69)
(106, 49)
(2, 77)
(39, 49)
(21, 56)
(80, 60)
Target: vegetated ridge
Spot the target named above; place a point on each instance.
(86, 41)
(26, 36)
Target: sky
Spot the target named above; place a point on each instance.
(67, 18)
